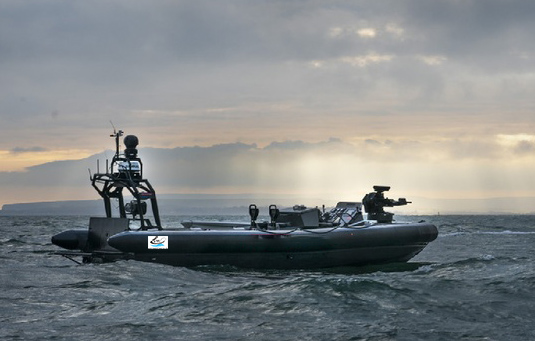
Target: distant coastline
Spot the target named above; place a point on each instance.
(193, 205)
(235, 205)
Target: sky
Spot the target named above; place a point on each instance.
(313, 98)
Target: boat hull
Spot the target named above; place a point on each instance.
(295, 249)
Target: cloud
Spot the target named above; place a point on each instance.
(435, 80)
(297, 167)
(372, 142)
(93, 48)
(20, 150)
(298, 145)
(525, 147)
(469, 32)
(433, 60)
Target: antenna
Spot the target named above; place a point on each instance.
(117, 135)
(114, 130)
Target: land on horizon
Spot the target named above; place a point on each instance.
(236, 205)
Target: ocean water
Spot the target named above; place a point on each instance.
(475, 282)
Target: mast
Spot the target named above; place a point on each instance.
(126, 172)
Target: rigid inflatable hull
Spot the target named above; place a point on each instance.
(317, 248)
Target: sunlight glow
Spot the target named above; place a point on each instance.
(367, 33)
(395, 30)
(335, 32)
(513, 140)
(12, 161)
(433, 60)
(365, 60)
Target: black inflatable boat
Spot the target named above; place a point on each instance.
(293, 238)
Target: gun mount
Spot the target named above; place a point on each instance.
(375, 202)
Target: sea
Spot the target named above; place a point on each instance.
(476, 281)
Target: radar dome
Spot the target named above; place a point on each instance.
(131, 141)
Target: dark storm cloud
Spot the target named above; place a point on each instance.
(326, 167)
(199, 167)
(53, 174)
(123, 34)
(489, 34)
(93, 61)
(147, 33)
(237, 164)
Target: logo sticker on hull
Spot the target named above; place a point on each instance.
(158, 242)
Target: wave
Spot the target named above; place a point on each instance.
(506, 232)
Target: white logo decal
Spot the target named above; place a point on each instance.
(158, 242)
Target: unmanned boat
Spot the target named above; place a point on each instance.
(293, 238)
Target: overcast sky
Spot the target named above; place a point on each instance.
(435, 98)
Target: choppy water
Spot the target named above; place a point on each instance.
(475, 282)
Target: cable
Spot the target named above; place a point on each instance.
(354, 226)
